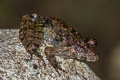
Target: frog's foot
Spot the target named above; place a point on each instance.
(43, 62)
(41, 58)
(37, 54)
(50, 54)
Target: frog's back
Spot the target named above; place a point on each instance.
(36, 30)
(30, 34)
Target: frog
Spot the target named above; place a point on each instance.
(58, 38)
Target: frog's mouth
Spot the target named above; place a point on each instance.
(88, 57)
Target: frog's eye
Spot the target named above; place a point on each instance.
(33, 17)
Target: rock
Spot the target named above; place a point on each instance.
(15, 63)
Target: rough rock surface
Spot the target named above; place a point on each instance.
(15, 63)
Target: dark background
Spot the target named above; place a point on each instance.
(98, 19)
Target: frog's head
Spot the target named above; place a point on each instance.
(87, 50)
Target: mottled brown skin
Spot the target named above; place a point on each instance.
(58, 38)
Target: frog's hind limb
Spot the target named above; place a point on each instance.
(50, 54)
(37, 54)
